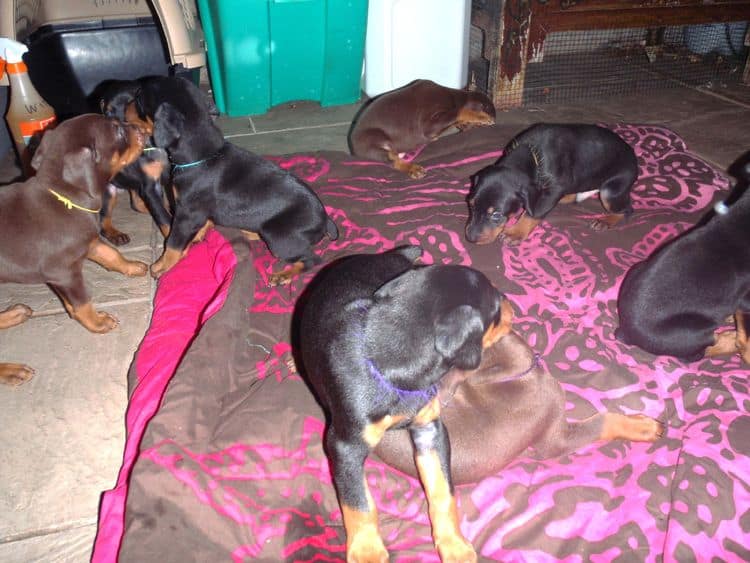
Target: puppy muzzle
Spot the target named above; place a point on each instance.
(483, 235)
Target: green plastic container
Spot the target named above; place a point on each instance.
(265, 52)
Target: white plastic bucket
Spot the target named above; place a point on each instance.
(411, 39)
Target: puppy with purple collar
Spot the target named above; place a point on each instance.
(375, 334)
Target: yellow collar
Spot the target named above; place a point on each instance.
(69, 204)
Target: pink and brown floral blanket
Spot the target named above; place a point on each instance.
(224, 460)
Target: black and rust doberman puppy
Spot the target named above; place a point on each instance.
(673, 302)
(375, 336)
(218, 183)
(511, 406)
(50, 223)
(403, 119)
(145, 179)
(540, 167)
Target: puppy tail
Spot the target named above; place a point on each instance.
(331, 229)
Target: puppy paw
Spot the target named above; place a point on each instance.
(367, 552)
(635, 427)
(280, 278)
(455, 549)
(118, 238)
(599, 225)
(604, 223)
(169, 258)
(135, 269)
(103, 323)
(14, 315)
(15, 374)
(512, 238)
(416, 171)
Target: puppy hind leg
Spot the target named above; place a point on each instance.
(634, 427)
(563, 437)
(75, 299)
(566, 437)
(347, 457)
(615, 198)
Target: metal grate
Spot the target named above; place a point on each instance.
(598, 63)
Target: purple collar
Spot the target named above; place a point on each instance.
(415, 397)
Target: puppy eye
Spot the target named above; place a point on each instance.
(496, 216)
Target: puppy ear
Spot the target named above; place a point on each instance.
(78, 167)
(529, 196)
(213, 111)
(168, 125)
(458, 337)
(41, 149)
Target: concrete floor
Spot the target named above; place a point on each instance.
(63, 432)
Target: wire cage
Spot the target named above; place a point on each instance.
(572, 64)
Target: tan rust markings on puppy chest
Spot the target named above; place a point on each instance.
(153, 169)
(428, 413)
(373, 432)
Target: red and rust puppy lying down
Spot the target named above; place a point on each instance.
(384, 344)
(50, 223)
(511, 406)
(673, 302)
(546, 164)
(375, 335)
(216, 182)
(403, 119)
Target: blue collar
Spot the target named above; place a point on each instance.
(176, 167)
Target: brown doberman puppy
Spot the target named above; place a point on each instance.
(486, 438)
(50, 223)
(413, 115)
